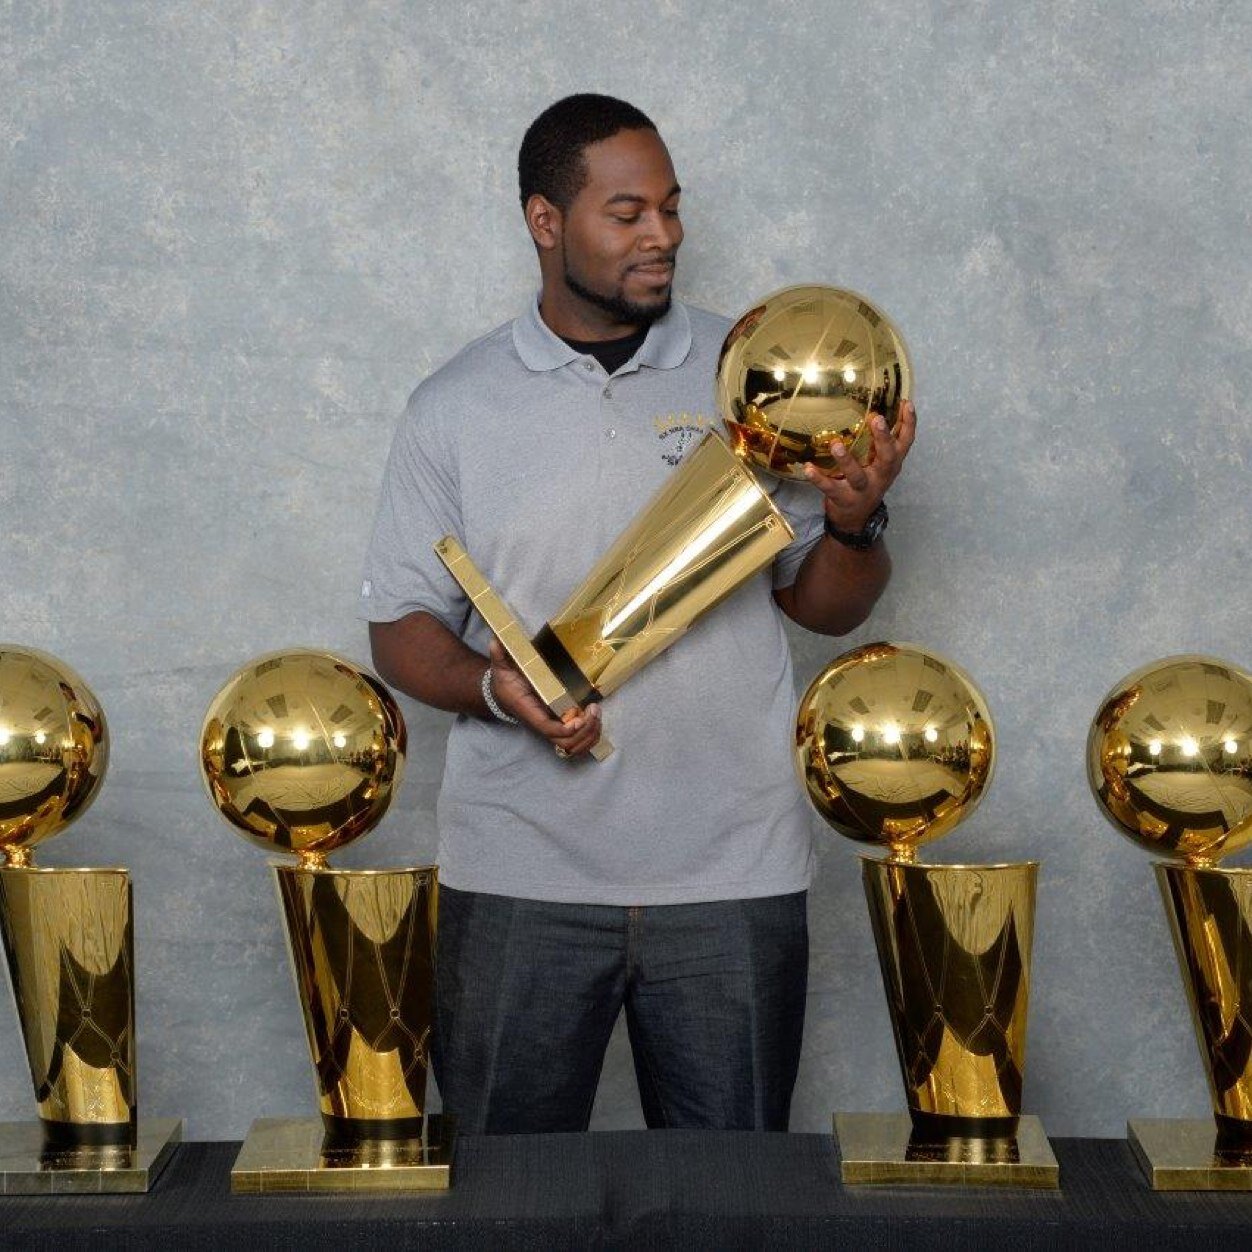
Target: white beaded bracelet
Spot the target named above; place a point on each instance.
(489, 699)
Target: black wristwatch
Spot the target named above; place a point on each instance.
(865, 538)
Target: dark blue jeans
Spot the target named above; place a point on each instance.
(527, 992)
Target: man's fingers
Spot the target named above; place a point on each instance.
(907, 430)
(886, 450)
(853, 471)
(585, 737)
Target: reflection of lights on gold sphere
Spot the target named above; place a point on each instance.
(894, 745)
(803, 367)
(54, 749)
(1169, 757)
(302, 751)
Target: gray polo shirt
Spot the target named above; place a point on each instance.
(535, 460)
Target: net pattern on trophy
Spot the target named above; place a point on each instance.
(1169, 757)
(363, 959)
(956, 953)
(806, 366)
(1211, 916)
(710, 526)
(69, 943)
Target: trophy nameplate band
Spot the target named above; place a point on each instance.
(1184, 1154)
(285, 1154)
(553, 651)
(29, 1166)
(881, 1148)
(505, 626)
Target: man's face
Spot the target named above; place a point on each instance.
(621, 233)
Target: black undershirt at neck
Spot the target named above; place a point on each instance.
(611, 353)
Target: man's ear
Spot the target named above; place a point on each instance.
(544, 221)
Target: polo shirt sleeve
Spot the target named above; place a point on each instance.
(801, 505)
(418, 505)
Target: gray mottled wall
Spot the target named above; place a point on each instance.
(234, 235)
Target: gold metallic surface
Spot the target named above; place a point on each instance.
(1210, 917)
(954, 945)
(505, 626)
(29, 1167)
(894, 745)
(707, 531)
(1169, 758)
(1186, 1154)
(362, 946)
(302, 751)
(54, 749)
(882, 1148)
(289, 1155)
(803, 367)
(69, 949)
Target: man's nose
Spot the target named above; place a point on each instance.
(664, 233)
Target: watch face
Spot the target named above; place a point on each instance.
(864, 538)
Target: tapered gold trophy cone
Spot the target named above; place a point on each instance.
(1169, 760)
(302, 752)
(709, 529)
(895, 746)
(69, 949)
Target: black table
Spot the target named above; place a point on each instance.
(639, 1189)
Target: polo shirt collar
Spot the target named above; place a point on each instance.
(665, 348)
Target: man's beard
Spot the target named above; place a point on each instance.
(628, 312)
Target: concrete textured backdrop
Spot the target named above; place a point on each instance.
(235, 235)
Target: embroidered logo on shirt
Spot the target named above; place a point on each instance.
(678, 432)
(367, 589)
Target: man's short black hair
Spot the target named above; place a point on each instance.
(550, 161)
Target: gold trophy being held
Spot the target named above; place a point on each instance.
(302, 752)
(895, 746)
(805, 371)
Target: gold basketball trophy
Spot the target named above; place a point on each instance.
(302, 752)
(1169, 760)
(804, 367)
(895, 746)
(69, 947)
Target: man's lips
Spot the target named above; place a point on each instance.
(656, 271)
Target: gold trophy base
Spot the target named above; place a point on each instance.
(877, 1148)
(286, 1154)
(1182, 1154)
(29, 1167)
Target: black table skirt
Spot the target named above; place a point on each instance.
(639, 1189)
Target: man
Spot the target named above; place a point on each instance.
(670, 879)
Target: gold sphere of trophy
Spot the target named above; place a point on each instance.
(302, 752)
(803, 367)
(69, 948)
(1169, 761)
(895, 746)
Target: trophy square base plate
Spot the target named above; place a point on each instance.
(286, 1154)
(28, 1168)
(876, 1148)
(1181, 1154)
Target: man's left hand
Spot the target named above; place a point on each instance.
(851, 499)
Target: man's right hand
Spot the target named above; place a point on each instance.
(516, 696)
